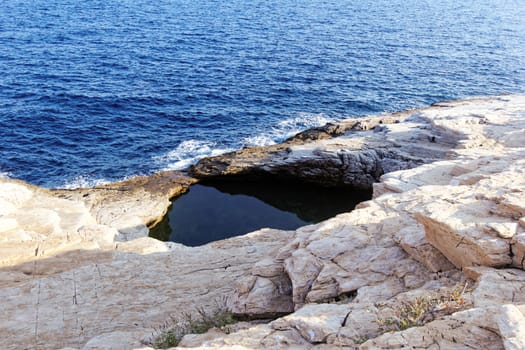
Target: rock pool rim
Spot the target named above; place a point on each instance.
(277, 203)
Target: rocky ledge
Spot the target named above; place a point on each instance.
(435, 260)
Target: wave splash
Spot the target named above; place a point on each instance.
(287, 128)
(83, 181)
(187, 153)
(190, 151)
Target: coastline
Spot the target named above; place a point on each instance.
(448, 211)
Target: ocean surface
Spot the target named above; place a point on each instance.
(100, 90)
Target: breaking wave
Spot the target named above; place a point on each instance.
(190, 151)
(286, 128)
(83, 181)
(187, 153)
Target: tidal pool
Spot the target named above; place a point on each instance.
(215, 211)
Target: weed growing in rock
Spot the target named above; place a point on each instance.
(361, 340)
(424, 309)
(409, 314)
(167, 339)
(173, 330)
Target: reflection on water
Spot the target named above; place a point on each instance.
(210, 212)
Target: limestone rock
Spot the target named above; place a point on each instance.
(266, 291)
(37, 222)
(314, 322)
(336, 258)
(358, 156)
(132, 205)
(76, 269)
(302, 268)
(460, 237)
(518, 251)
(511, 326)
(474, 328)
(416, 245)
(498, 286)
(122, 292)
(13, 195)
(361, 323)
(262, 297)
(115, 341)
(467, 210)
(259, 336)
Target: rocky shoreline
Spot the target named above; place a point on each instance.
(443, 237)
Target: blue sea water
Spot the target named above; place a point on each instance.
(99, 90)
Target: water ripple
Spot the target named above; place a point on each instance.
(96, 91)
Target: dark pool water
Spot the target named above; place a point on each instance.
(209, 213)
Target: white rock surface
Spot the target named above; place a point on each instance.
(511, 326)
(77, 271)
(315, 322)
(470, 329)
(468, 207)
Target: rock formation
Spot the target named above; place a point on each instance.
(353, 153)
(435, 260)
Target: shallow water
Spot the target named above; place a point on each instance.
(96, 91)
(226, 209)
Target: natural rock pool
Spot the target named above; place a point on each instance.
(215, 211)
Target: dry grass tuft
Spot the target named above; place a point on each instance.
(172, 332)
(422, 310)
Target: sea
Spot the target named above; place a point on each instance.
(96, 91)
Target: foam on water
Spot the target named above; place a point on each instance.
(259, 140)
(286, 128)
(187, 153)
(190, 151)
(83, 181)
(290, 127)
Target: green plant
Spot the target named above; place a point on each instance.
(454, 300)
(361, 340)
(206, 320)
(409, 314)
(167, 339)
(425, 309)
(199, 322)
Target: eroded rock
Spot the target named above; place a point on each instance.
(78, 271)
(314, 322)
(475, 328)
(357, 157)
